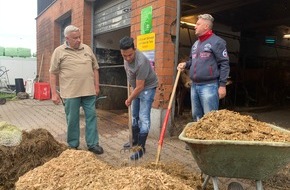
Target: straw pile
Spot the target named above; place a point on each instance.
(37, 147)
(78, 169)
(10, 135)
(229, 125)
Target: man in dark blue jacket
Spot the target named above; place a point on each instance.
(209, 68)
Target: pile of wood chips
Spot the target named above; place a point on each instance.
(229, 125)
(78, 169)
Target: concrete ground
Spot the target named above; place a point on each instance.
(113, 128)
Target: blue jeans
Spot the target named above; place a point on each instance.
(204, 98)
(141, 109)
(72, 111)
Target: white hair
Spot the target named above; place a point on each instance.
(207, 17)
(69, 29)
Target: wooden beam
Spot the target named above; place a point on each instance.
(267, 23)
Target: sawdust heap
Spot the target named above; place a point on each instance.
(229, 125)
(37, 147)
(140, 178)
(78, 169)
(72, 169)
(179, 171)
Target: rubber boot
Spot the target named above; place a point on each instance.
(141, 143)
(135, 136)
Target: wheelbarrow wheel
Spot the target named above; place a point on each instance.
(2, 101)
(235, 186)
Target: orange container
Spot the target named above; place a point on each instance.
(41, 91)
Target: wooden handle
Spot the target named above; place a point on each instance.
(166, 118)
(129, 118)
(40, 68)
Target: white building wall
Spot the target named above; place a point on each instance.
(25, 68)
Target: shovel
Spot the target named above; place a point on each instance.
(161, 138)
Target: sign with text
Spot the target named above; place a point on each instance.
(146, 42)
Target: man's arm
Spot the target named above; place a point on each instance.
(54, 95)
(139, 87)
(224, 67)
(97, 81)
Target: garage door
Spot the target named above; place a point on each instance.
(111, 15)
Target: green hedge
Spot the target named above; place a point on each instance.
(2, 49)
(11, 52)
(23, 52)
(17, 52)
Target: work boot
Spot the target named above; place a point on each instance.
(135, 135)
(142, 141)
(96, 149)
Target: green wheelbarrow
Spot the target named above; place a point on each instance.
(253, 160)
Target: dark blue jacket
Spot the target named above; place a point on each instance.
(209, 61)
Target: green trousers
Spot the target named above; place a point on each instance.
(72, 111)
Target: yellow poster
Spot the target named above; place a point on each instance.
(146, 42)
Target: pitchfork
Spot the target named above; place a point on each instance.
(131, 148)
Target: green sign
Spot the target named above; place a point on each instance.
(146, 20)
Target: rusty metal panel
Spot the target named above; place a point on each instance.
(111, 15)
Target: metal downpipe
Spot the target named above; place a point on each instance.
(176, 50)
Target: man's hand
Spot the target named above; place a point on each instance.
(222, 92)
(181, 66)
(55, 98)
(97, 90)
(128, 102)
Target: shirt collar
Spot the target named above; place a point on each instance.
(68, 47)
(205, 36)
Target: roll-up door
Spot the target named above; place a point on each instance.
(111, 15)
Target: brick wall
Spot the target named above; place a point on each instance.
(48, 29)
(164, 13)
